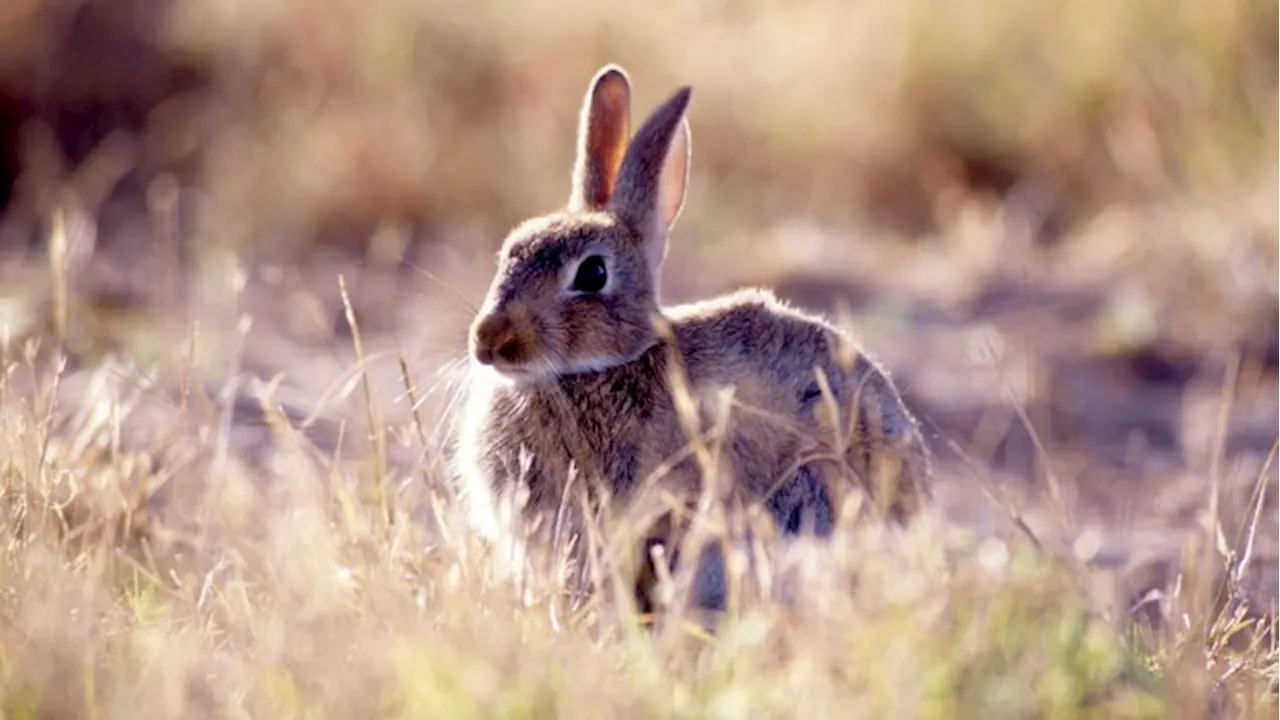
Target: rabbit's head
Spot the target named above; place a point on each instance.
(576, 290)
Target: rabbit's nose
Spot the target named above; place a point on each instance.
(497, 338)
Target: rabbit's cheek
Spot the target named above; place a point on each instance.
(590, 329)
(577, 324)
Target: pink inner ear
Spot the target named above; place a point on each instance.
(675, 176)
(604, 135)
(617, 99)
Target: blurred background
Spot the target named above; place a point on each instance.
(1055, 223)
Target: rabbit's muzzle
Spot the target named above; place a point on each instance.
(504, 340)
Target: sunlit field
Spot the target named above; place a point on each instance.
(241, 243)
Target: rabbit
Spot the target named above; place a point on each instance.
(577, 367)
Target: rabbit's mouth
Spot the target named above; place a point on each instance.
(545, 369)
(520, 373)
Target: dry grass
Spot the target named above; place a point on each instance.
(300, 589)
(1029, 208)
(179, 578)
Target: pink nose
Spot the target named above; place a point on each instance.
(497, 338)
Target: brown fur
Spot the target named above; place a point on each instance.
(590, 375)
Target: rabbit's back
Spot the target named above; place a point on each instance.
(775, 358)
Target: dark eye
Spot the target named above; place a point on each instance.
(591, 276)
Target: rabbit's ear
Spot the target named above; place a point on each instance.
(674, 178)
(603, 128)
(655, 171)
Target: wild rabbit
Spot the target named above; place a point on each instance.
(578, 368)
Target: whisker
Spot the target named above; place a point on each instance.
(472, 307)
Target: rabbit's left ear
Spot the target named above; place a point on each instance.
(602, 138)
(655, 174)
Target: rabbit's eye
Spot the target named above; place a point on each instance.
(591, 275)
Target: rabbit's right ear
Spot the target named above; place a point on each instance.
(603, 130)
(654, 175)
